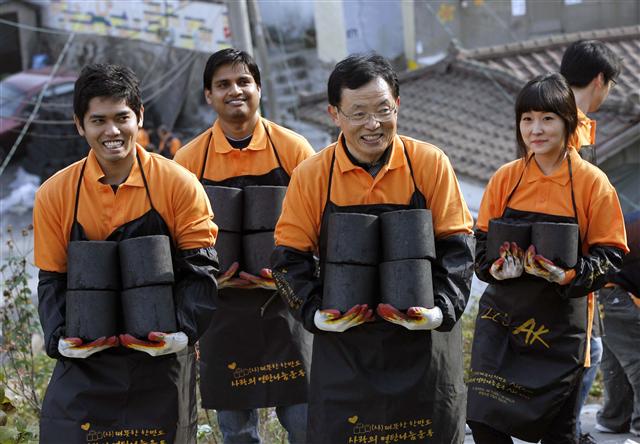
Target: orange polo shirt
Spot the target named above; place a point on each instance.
(585, 133)
(599, 213)
(224, 161)
(176, 194)
(299, 224)
(597, 205)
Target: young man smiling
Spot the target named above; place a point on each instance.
(251, 327)
(118, 192)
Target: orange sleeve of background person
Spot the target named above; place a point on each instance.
(585, 133)
(176, 195)
(598, 208)
(224, 161)
(299, 224)
(174, 146)
(143, 138)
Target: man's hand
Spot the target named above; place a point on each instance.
(510, 263)
(416, 318)
(75, 348)
(540, 266)
(334, 321)
(227, 279)
(158, 343)
(265, 280)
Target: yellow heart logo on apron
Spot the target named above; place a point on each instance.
(232, 366)
(85, 426)
(353, 419)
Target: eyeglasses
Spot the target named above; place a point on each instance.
(360, 117)
(612, 84)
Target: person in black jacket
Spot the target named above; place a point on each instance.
(621, 357)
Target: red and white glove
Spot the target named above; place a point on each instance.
(75, 348)
(158, 344)
(540, 266)
(510, 264)
(416, 318)
(265, 280)
(334, 321)
(227, 279)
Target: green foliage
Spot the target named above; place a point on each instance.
(24, 372)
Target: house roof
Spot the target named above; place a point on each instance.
(531, 57)
(464, 103)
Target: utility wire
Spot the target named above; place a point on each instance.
(32, 116)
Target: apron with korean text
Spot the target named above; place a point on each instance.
(254, 354)
(118, 393)
(528, 346)
(379, 382)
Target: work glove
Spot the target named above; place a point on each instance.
(334, 321)
(510, 263)
(158, 344)
(416, 318)
(227, 279)
(265, 280)
(538, 265)
(75, 348)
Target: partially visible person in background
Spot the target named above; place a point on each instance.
(591, 68)
(168, 144)
(621, 358)
(144, 140)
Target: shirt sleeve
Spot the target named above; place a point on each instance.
(193, 218)
(299, 223)
(444, 198)
(49, 241)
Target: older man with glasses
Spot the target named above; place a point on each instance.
(397, 376)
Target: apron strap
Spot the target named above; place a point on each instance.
(406, 155)
(75, 208)
(275, 151)
(333, 161)
(513, 190)
(206, 155)
(144, 180)
(573, 197)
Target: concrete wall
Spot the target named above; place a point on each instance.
(330, 36)
(27, 16)
(477, 23)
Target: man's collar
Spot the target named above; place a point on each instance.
(93, 171)
(396, 158)
(220, 143)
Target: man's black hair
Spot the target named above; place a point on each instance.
(585, 59)
(358, 70)
(547, 93)
(229, 56)
(105, 80)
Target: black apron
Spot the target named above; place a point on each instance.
(379, 382)
(120, 393)
(254, 354)
(528, 346)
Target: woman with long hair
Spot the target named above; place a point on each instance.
(530, 341)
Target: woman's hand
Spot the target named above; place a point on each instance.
(538, 265)
(510, 264)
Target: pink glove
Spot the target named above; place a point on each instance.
(158, 344)
(333, 320)
(265, 280)
(75, 348)
(227, 279)
(510, 264)
(416, 318)
(540, 266)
